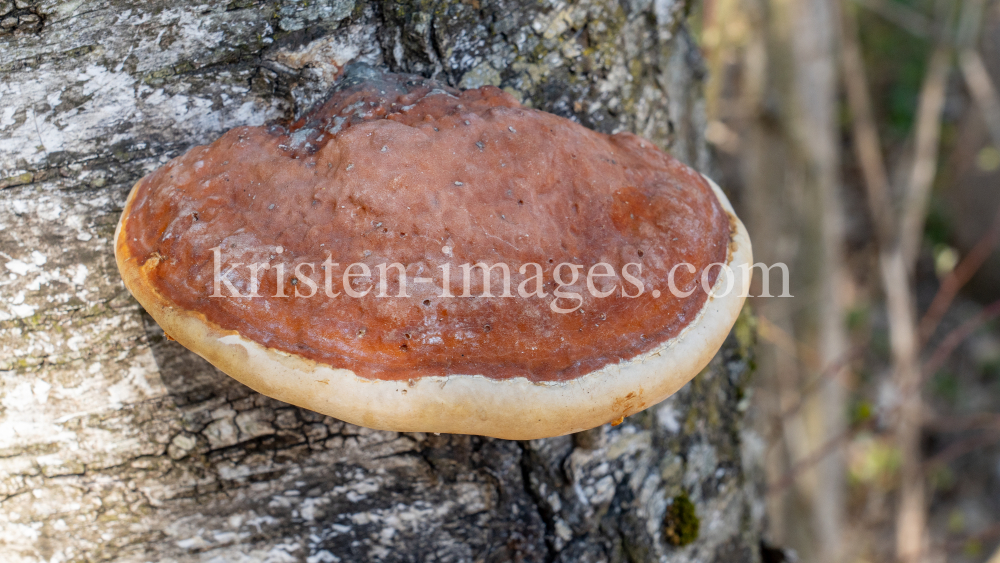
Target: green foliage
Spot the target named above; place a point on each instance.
(873, 461)
(973, 548)
(990, 371)
(858, 318)
(937, 228)
(896, 63)
(945, 385)
(681, 524)
(941, 478)
(861, 412)
(879, 344)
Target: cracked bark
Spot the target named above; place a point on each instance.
(117, 444)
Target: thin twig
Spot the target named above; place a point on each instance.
(834, 369)
(867, 146)
(958, 277)
(898, 240)
(925, 158)
(983, 91)
(962, 447)
(988, 101)
(786, 342)
(956, 336)
(815, 457)
(975, 421)
(940, 354)
(795, 348)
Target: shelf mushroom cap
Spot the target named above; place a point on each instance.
(412, 257)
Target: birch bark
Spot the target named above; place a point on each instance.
(117, 444)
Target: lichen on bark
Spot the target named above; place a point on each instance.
(117, 444)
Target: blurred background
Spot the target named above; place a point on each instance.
(860, 140)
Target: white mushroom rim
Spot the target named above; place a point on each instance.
(514, 408)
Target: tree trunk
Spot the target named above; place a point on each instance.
(117, 444)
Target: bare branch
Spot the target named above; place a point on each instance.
(867, 145)
(958, 277)
(962, 447)
(806, 463)
(898, 241)
(982, 89)
(956, 337)
(928, 136)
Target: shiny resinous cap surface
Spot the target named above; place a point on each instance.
(401, 169)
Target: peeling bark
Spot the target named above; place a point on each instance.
(117, 444)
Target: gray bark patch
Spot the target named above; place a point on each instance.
(118, 444)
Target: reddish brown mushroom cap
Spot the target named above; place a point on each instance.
(397, 169)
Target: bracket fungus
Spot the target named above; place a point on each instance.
(412, 257)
